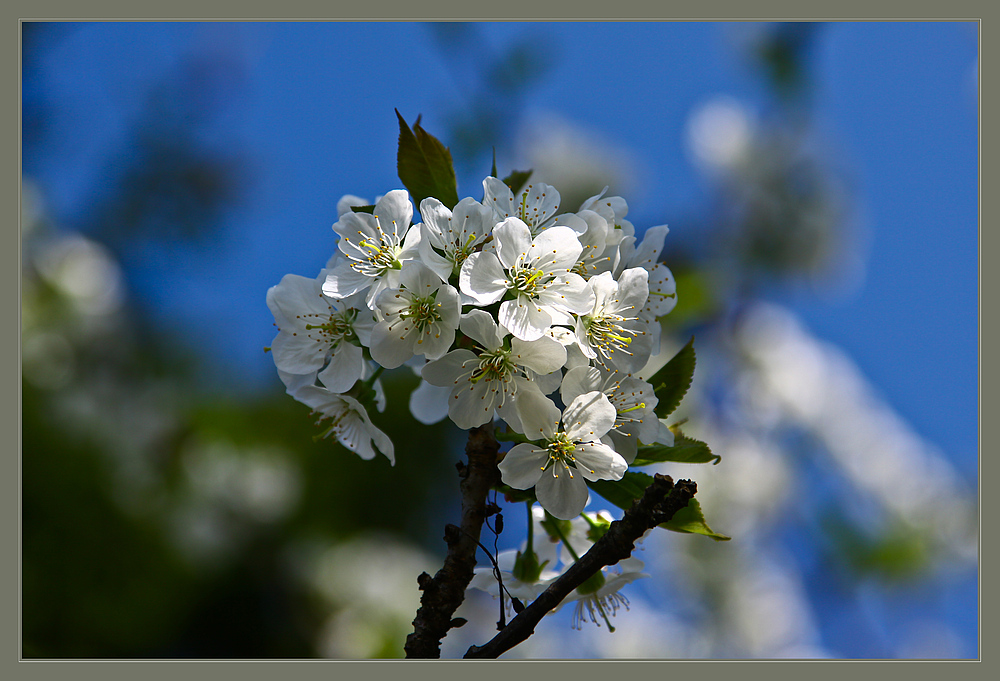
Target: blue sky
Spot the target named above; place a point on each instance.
(894, 103)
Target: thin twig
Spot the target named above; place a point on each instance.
(660, 502)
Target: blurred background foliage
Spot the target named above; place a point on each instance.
(167, 513)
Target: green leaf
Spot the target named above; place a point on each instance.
(424, 165)
(363, 209)
(685, 450)
(691, 520)
(673, 379)
(622, 493)
(516, 180)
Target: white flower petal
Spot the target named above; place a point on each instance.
(392, 345)
(524, 318)
(394, 212)
(343, 281)
(473, 404)
(539, 415)
(543, 355)
(429, 403)
(589, 416)
(480, 327)
(513, 239)
(561, 493)
(557, 246)
(482, 278)
(298, 354)
(444, 372)
(344, 368)
(522, 466)
(597, 461)
(578, 381)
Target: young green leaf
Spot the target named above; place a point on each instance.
(424, 165)
(633, 485)
(622, 492)
(673, 379)
(516, 180)
(363, 209)
(691, 520)
(685, 450)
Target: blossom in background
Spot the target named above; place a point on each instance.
(570, 452)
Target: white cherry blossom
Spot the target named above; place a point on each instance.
(570, 451)
(316, 331)
(611, 331)
(346, 419)
(418, 318)
(448, 237)
(485, 377)
(533, 273)
(374, 248)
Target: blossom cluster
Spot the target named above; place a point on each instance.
(507, 308)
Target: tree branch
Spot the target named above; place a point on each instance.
(443, 593)
(660, 502)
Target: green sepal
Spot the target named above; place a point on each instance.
(527, 568)
(515, 495)
(557, 529)
(672, 381)
(516, 180)
(592, 583)
(424, 165)
(684, 450)
(691, 520)
(632, 486)
(364, 209)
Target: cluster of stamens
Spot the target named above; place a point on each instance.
(380, 257)
(422, 312)
(605, 606)
(335, 328)
(560, 451)
(462, 252)
(528, 281)
(493, 366)
(607, 335)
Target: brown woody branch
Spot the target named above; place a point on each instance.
(443, 593)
